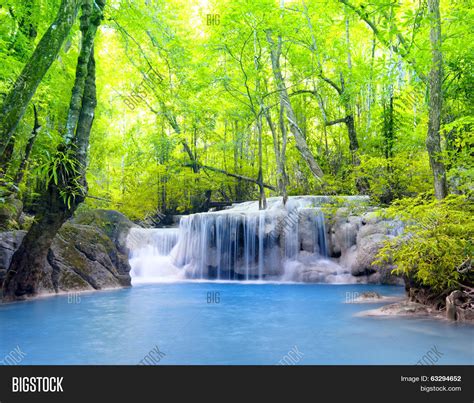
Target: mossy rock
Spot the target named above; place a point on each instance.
(112, 223)
(81, 258)
(88, 253)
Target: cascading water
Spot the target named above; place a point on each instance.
(241, 243)
(150, 254)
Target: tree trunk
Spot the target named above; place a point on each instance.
(174, 124)
(433, 140)
(345, 95)
(279, 158)
(262, 201)
(237, 160)
(301, 144)
(43, 56)
(28, 261)
(88, 28)
(284, 138)
(29, 146)
(6, 157)
(434, 82)
(352, 134)
(362, 184)
(86, 118)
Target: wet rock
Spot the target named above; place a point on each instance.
(367, 250)
(380, 228)
(371, 217)
(9, 243)
(465, 315)
(459, 306)
(321, 272)
(370, 295)
(308, 238)
(404, 308)
(344, 234)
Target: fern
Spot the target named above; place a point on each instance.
(63, 171)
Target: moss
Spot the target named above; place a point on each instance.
(10, 211)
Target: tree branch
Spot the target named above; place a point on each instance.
(241, 177)
(331, 83)
(337, 121)
(404, 54)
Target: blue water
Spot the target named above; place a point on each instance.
(250, 324)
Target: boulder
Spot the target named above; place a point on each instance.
(344, 234)
(320, 272)
(404, 308)
(307, 237)
(367, 250)
(367, 230)
(459, 306)
(383, 275)
(369, 295)
(9, 243)
(112, 223)
(465, 314)
(370, 217)
(81, 257)
(343, 229)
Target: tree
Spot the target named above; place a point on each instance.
(434, 82)
(433, 140)
(285, 99)
(64, 176)
(45, 53)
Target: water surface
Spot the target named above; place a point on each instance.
(243, 324)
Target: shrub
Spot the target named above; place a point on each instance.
(436, 246)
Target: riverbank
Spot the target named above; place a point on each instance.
(454, 310)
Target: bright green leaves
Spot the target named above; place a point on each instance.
(63, 171)
(436, 248)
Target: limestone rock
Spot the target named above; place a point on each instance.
(112, 223)
(404, 308)
(344, 234)
(459, 306)
(9, 243)
(367, 250)
(81, 257)
(323, 271)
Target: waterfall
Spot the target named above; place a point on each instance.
(240, 243)
(261, 239)
(321, 226)
(150, 254)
